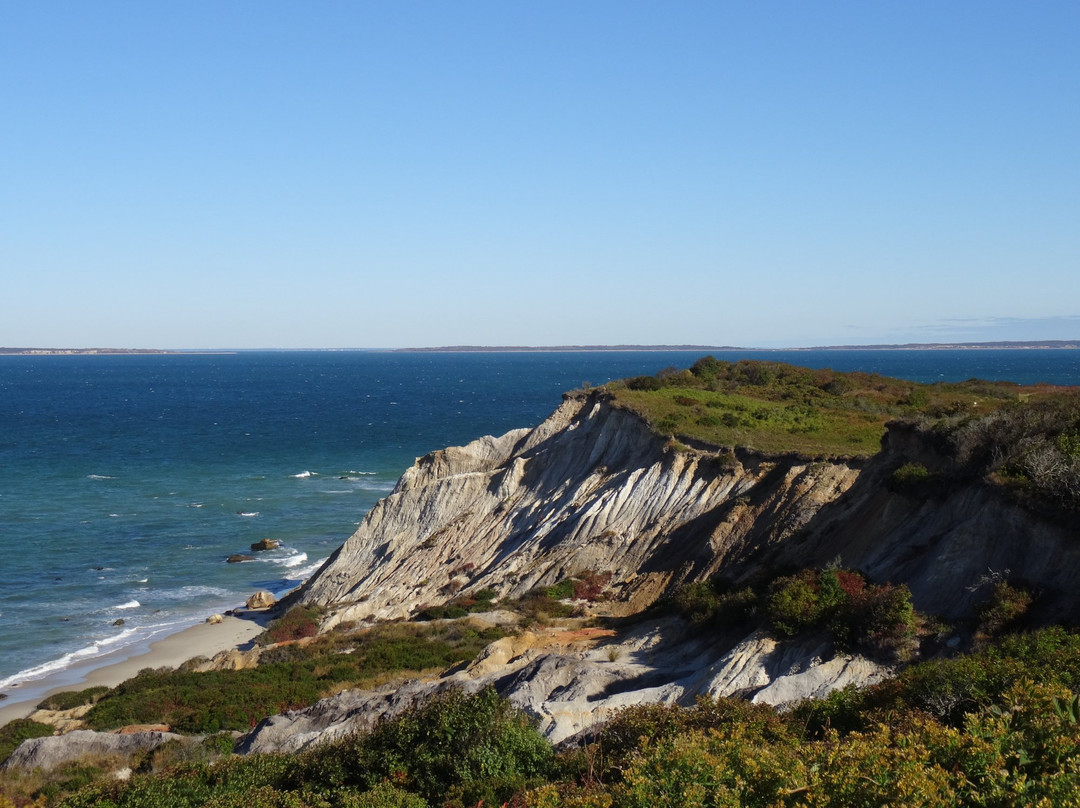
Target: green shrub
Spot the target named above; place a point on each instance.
(383, 795)
(562, 590)
(704, 603)
(70, 699)
(1005, 608)
(290, 677)
(468, 747)
(15, 732)
(620, 739)
(795, 604)
(644, 383)
(914, 479)
(881, 620)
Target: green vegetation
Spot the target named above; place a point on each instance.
(874, 619)
(778, 408)
(298, 623)
(287, 677)
(480, 601)
(997, 728)
(1025, 438)
(15, 732)
(70, 699)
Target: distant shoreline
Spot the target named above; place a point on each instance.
(908, 346)
(106, 352)
(911, 346)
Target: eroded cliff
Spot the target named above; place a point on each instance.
(592, 488)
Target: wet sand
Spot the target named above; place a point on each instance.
(202, 639)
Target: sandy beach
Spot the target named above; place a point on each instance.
(203, 639)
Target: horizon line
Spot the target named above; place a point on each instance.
(1056, 344)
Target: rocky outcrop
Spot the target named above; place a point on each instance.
(50, 752)
(591, 488)
(594, 488)
(261, 600)
(572, 680)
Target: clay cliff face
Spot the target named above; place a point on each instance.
(594, 488)
(591, 488)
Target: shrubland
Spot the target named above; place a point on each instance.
(1026, 439)
(997, 727)
(288, 676)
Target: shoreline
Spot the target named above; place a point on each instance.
(237, 631)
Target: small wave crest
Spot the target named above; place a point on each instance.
(290, 561)
(247, 513)
(99, 477)
(310, 569)
(131, 604)
(303, 475)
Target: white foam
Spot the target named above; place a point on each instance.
(131, 604)
(303, 475)
(65, 661)
(291, 561)
(311, 569)
(248, 513)
(99, 477)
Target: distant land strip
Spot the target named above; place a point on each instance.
(910, 346)
(102, 352)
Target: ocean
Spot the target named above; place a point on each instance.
(126, 481)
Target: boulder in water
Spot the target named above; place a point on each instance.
(261, 600)
(236, 558)
(265, 544)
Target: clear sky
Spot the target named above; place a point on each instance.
(379, 174)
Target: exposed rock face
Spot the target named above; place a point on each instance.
(591, 488)
(50, 752)
(571, 683)
(265, 544)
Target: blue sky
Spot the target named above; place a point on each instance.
(362, 174)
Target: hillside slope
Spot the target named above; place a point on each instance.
(594, 488)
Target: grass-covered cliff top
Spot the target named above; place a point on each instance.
(778, 408)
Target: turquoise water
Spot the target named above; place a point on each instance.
(125, 481)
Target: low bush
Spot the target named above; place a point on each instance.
(876, 619)
(590, 585)
(15, 732)
(287, 678)
(1004, 610)
(455, 749)
(69, 700)
(297, 623)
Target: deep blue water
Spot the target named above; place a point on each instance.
(126, 480)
